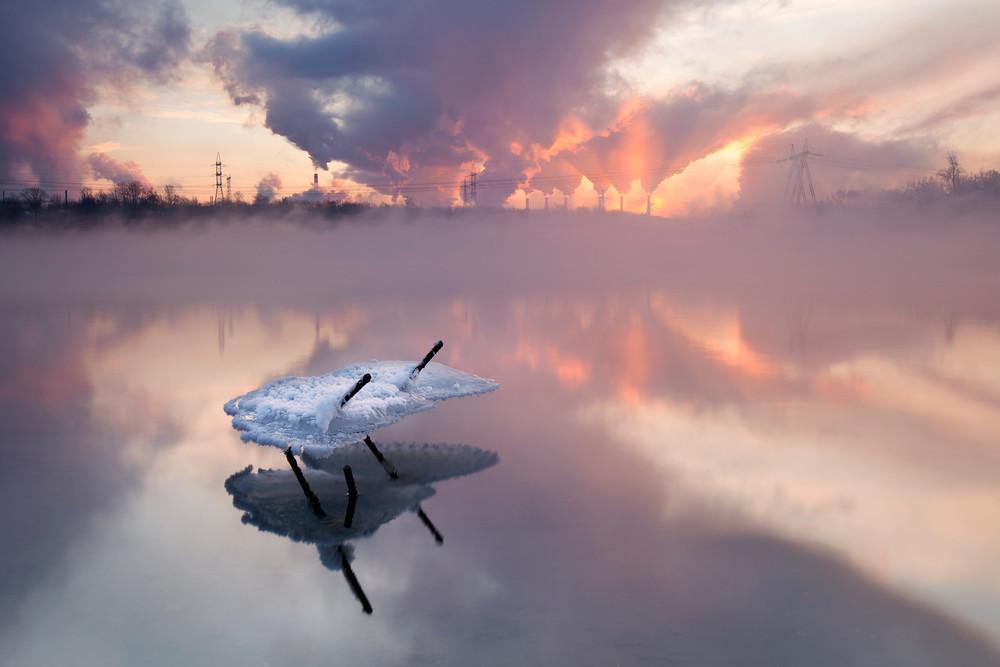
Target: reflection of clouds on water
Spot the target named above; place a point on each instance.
(64, 460)
(798, 470)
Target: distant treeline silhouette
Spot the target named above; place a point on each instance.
(136, 201)
(949, 183)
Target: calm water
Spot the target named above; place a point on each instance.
(760, 448)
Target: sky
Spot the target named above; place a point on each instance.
(688, 103)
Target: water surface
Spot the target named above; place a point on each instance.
(717, 446)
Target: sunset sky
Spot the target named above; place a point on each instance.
(692, 101)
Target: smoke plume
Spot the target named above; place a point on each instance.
(426, 92)
(267, 188)
(53, 59)
(114, 171)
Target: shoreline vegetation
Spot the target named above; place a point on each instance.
(951, 192)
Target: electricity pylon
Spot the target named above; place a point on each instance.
(217, 198)
(799, 176)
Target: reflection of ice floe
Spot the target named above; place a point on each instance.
(307, 411)
(321, 506)
(272, 500)
(413, 464)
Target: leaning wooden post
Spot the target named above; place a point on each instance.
(390, 469)
(352, 581)
(438, 537)
(304, 484)
(426, 360)
(352, 497)
(358, 386)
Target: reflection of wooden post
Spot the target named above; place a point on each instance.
(427, 358)
(438, 537)
(352, 502)
(352, 581)
(308, 492)
(352, 496)
(365, 379)
(352, 490)
(390, 470)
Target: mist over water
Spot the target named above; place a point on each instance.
(760, 440)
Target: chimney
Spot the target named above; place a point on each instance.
(316, 179)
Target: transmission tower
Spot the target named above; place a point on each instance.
(217, 197)
(799, 176)
(473, 195)
(600, 200)
(465, 191)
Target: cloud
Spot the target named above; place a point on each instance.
(847, 163)
(117, 172)
(268, 187)
(661, 138)
(416, 97)
(436, 88)
(52, 63)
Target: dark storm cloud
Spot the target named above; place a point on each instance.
(52, 60)
(442, 85)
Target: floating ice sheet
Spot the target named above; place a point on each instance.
(305, 411)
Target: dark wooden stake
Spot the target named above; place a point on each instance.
(304, 484)
(427, 358)
(365, 379)
(352, 489)
(390, 469)
(438, 537)
(352, 581)
(352, 503)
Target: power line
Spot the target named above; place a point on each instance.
(473, 181)
(799, 175)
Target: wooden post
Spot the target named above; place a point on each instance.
(352, 490)
(427, 358)
(352, 496)
(365, 379)
(304, 484)
(352, 502)
(390, 469)
(438, 537)
(352, 581)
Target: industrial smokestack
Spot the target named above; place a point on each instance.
(546, 202)
(621, 203)
(649, 206)
(316, 179)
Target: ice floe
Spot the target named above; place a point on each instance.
(306, 412)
